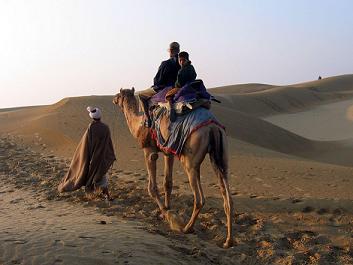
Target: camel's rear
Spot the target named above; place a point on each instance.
(218, 151)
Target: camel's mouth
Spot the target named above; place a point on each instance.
(115, 100)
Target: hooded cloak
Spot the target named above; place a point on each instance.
(92, 159)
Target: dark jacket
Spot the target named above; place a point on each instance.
(185, 75)
(167, 74)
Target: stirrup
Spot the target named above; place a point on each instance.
(144, 105)
(147, 123)
(172, 115)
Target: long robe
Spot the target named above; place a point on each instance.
(92, 159)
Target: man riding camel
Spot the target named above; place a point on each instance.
(166, 76)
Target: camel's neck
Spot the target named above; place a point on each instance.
(133, 118)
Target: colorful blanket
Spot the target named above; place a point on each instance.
(181, 129)
(191, 92)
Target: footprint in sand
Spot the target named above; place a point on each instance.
(14, 201)
(87, 237)
(294, 201)
(338, 211)
(70, 245)
(320, 240)
(323, 211)
(308, 209)
(16, 241)
(284, 243)
(129, 181)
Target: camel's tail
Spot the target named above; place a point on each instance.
(218, 151)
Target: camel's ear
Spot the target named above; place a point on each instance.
(133, 90)
(121, 90)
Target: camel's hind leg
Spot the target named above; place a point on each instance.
(228, 209)
(150, 158)
(219, 161)
(168, 179)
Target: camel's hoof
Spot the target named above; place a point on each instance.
(161, 216)
(188, 230)
(228, 243)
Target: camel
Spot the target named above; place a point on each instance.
(209, 139)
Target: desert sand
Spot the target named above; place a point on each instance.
(291, 171)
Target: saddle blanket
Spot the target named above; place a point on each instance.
(188, 93)
(181, 129)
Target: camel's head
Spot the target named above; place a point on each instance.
(123, 95)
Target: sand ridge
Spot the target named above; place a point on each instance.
(57, 128)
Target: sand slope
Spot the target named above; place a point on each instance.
(282, 229)
(293, 195)
(58, 127)
(262, 100)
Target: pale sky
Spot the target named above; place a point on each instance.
(51, 49)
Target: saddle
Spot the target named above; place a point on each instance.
(179, 101)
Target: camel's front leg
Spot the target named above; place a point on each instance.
(150, 158)
(168, 179)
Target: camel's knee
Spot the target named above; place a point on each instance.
(202, 201)
(153, 157)
(199, 203)
(152, 191)
(228, 206)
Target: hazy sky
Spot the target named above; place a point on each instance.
(52, 49)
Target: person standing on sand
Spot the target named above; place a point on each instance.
(166, 76)
(92, 159)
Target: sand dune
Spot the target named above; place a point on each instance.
(329, 122)
(263, 100)
(58, 127)
(292, 189)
